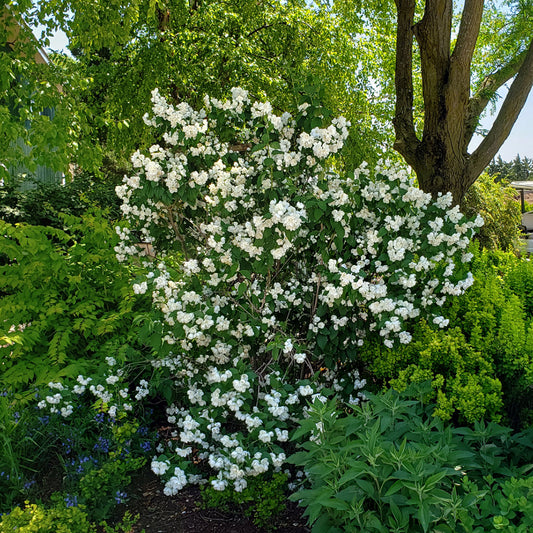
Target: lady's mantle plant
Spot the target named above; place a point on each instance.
(270, 269)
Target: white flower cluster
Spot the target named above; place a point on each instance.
(283, 266)
(109, 390)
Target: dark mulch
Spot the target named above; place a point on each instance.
(182, 513)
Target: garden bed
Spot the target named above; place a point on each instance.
(182, 513)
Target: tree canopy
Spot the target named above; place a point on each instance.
(519, 169)
(418, 78)
(31, 92)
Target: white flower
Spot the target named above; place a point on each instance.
(265, 436)
(305, 390)
(67, 411)
(219, 484)
(159, 467)
(140, 288)
(299, 358)
(242, 384)
(111, 380)
(175, 483)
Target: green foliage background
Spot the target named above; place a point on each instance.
(66, 303)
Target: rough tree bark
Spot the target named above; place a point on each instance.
(440, 157)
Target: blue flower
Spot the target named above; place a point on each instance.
(120, 497)
(142, 430)
(28, 484)
(102, 445)
(71, 501)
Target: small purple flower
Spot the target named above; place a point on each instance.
(146, 446)
(120, 497)
(29, 484)
(102, 445)
(71, 501)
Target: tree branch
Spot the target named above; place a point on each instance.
(512, 105)
(406, 140)
(487, 89)
(457, 88)
(263, 27)
(468, 33)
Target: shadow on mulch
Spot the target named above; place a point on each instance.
(181, 513)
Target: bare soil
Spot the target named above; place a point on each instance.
(183, 513)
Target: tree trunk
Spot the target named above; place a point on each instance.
(440, 158)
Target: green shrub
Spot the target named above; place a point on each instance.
(65, 301)
(462, 378)
(391, 466)
(496, 203)
(44, 204)
(506, 505)
(37, 519)
(101, 488)
(263, 498)
(481, 367)
(496, 316)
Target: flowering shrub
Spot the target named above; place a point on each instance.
(267, 269)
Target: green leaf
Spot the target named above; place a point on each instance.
(241, 290)
(367, 487)
(333, 503)
(351, 474)
(322, 341)
(424, 516)
(395, 487)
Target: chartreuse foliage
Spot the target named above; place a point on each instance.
(482, 366)
(37, 519)
(33, 518)
(391, 466)
(65, 301)
(463, 378)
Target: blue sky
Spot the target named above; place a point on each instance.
(520, 141)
